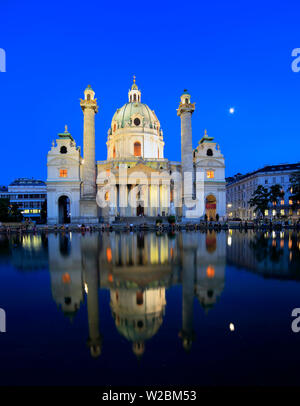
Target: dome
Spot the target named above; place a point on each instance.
(135, 130)
(123, 115)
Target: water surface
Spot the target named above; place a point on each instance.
(147, 308)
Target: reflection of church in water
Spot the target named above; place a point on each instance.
(137, 269)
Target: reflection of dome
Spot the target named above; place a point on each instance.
(123, 115)
(138, 315)
(138, 329)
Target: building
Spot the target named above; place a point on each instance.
(28, 194)
(239, 190)
(136, 179)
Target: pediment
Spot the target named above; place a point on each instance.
(214, 163)
(60, 161)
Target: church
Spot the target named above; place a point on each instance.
(136, 179)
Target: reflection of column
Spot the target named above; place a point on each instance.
(187, 333)
(90, 267)
(159, 202)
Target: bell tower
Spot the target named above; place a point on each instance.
(88, 205)
(185, 111)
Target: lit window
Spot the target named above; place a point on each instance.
(210, 174)
(274, 212)
(266, 212)
(282, 202)
(210, 271)
(66, 278)
(282, 212)
(63, 173)
(137, 149)
(290, 201)
(139, 298)
(108, 254)
(106, 196)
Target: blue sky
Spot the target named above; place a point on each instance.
(226, 53)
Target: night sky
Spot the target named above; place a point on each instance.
(226, 53)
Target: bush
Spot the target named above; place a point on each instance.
(171, 219)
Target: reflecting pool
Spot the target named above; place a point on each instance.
(148, 308)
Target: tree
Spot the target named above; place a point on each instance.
(295, 189)
(15, 214)
(276, 193)
(260, 200)
(44, 212)
(4, 209)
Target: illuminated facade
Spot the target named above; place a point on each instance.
(240, 188)
(28, 194)
(136, 163)
(136, 268)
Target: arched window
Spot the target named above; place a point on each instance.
(139, 298)
(186, 101)
(106, 196)
(137, 149)
(114, 152)
(115, 127)
(209, 152)
(134, 97)
(88, 97)
(63, 150)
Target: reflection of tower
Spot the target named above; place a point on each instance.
(65, 272)
(185, 111)
(89, 246)
(88, 206)
(138, 314)
(188, 275)
(210, 278)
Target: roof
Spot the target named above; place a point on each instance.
(124, 114)
(27, 182)
(3, 189)
(266, 169)
(66, 134)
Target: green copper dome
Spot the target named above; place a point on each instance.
(123, 115)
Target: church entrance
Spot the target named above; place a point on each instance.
(64, 215)
(140, 210)
(211, 207)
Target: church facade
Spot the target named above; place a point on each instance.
(135, 179)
